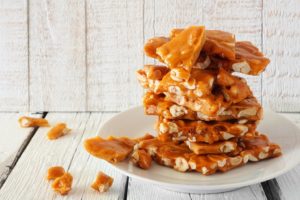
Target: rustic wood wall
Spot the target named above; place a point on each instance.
(81, 55)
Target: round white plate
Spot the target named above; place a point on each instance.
(134, 123)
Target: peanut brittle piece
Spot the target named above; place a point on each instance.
(180, 158)
(217, 42)
(141, 159)
(247, 110)
(154, 43)
(249, 60)
(201, 148)
(234, 89)
(112, 149)
(200, 131)
(55, 172)
(220, 43)
(32, 122)
(57, 131)
(150, 76)
(102, 183)
(183, 50)
(63, 184)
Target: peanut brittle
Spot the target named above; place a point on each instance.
(55, 172)
(102, 183)
(141, 159)
(234, 89)
(57, 131)
(112, 149)
(184, 49)
(63, 184)
(249, 60)
(200, 131)
(32, 122)
(180, 158)
(201, 148)
(217, 42)
(246, 110)
(205, 91)
(154, 43)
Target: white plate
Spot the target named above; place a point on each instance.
(134, 123)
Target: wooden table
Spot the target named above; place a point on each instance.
(26, 154)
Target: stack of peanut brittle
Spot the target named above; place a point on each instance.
(206, 115)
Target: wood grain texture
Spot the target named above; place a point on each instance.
(289, 182)
(241, 17)
(281, 35)
(27, 179)
(13, 56)
(12, 139)
(57, 55)
(114, 53)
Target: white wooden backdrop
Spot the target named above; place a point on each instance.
(81, 55)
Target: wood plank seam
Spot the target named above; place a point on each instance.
(123, 193)
(79, 142)
(20, 151)
(272, 189)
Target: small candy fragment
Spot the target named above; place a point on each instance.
(57, 131)
(102, 182)
(55, 172)
(63, 184)
(32, 122)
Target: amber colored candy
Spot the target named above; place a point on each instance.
(102, 182)
(63, 184)
(152, 44)
(32, 122)
(141, 159)
(111, 149)
(220, 43)
(217, 42)
(57, 131)
(249, 60)
(55, 172)
(184, 49)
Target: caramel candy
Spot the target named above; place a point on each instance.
(32, 122)
(63, 184)
(55, 172)
(57, 131)
(184, 49)
(200, 131)
(102, 182)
